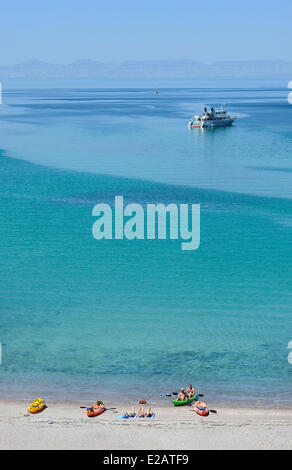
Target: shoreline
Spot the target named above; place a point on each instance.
(63, 425)
(125, 404)
(222, 398)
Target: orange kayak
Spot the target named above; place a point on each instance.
(201, 408)
(95, 410)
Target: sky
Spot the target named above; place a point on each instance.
(62, 31)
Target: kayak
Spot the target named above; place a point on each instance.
(95, 409)
(37, 406)
(201, 408)
(185, 402)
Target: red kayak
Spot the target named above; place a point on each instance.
(95, 409)
(201, 408)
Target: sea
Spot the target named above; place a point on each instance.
(84, 319)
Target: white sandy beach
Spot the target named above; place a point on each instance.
(65, 426)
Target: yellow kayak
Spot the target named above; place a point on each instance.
(37, 406)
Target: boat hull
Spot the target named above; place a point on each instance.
(212, 124)
(185, 402)
(218, 123)
(95, 410)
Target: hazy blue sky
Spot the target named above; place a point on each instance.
(62, 31)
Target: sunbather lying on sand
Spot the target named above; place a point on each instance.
(141, 413)
(149, 413)
(132, 414)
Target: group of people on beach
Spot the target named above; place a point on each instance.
(186, 393)
(140, 413)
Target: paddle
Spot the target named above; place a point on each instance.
(176, 393)
(85, 407)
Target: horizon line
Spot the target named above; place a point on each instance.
(80, 60)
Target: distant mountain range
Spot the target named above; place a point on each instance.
(150, 69)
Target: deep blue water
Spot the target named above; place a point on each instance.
(80, 317)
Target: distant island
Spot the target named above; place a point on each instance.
(150, 69)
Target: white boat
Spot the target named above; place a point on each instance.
(212, 118)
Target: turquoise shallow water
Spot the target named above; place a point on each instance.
(80, 317)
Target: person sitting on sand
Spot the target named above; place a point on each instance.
(182, 395)
(149, 413)
(141, 413)
(190, 391)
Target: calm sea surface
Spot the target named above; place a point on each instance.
(81, 318)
